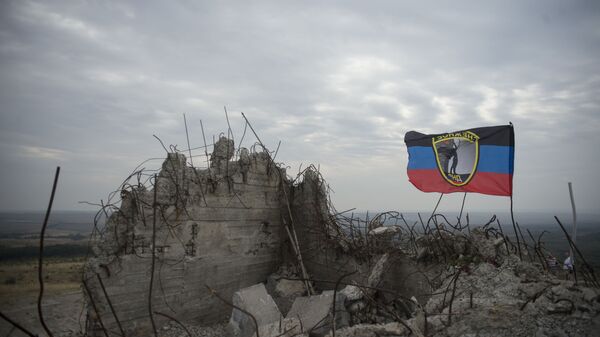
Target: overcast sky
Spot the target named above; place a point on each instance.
(85, 85)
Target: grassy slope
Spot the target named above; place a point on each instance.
(20, 278)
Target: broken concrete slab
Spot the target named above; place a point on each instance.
(384, 230)
(314, 312)
(259, 303)
(290, 288)
(284, 291)
(383, 237)
(377, 272)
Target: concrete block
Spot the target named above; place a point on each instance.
(377, 272)
(259, 303)
(383, 230)
(284, 291)
(314, 312)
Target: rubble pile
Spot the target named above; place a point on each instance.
(485, 290)
(279, 260)
(516, 298)
(284, 285)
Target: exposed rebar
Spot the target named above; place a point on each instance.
(41, 255)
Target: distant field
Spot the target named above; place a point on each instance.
(66, 235)
(588, 242)
(20, 278)
(19, 223)
(8, 253)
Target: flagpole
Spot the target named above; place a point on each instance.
(462, 206)
(574, 236)
(512, 217)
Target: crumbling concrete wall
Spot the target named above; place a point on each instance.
(219, 226)
(225, 227)
(322, 253)
(327, 254)
(327, 257)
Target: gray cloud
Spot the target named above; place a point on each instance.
(86, 85)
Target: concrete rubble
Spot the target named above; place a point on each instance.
(257, 302)
(498, 295)
(275, 247)
(308, 314)
(284, 286)
(316, 313)
(504, 301)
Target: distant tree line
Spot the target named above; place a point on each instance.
(74, 237)
(29, 252)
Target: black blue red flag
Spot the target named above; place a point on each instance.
(479, 160)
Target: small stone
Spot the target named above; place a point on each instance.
(352, 293)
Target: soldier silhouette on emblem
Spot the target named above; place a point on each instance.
(446, 152)
(454, 155)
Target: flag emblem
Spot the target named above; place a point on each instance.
(479, 160)
(457, 156)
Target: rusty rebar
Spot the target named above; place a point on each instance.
(187, 137)
(537, 251)
(337, 284)
(462, 206)
(452, 298)
(16, 325)
(41, 254)
(512, 217)
(504, 237)
(87, 290)
(150, 311)
(205, 146)
(110, 305)
(591, 270)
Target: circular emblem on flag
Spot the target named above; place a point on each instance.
(457, 155)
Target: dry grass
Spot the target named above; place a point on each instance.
(20, 278)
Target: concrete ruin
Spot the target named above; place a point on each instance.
(221, 226)
(194, 246)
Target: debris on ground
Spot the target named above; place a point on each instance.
(284, 286)
(277, 257)
(252, 306)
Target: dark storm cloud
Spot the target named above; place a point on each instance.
(86, 85)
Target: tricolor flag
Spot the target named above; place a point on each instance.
(477, 160)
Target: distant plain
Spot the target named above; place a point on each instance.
(66, 243)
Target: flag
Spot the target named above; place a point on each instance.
(479, 160)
